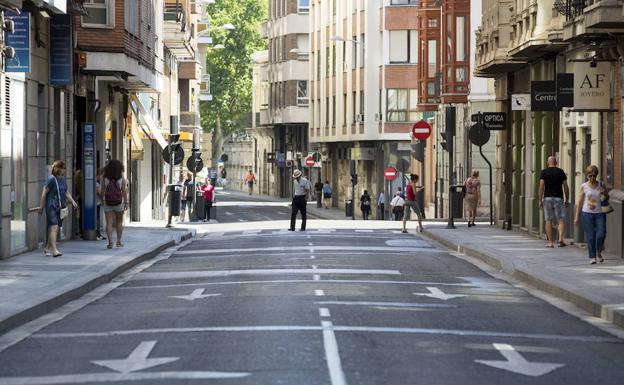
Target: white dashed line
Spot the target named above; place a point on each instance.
(324, 312)
(319, 293)
(316, 277)
(336, 374)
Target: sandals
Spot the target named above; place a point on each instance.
(550, 246)
(562, 244)
(404, 231)
(119, 244)
(109, 246)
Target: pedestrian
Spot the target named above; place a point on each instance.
(208, 192)
(223, 177)
(553, 186)
(213, 176)
(318, 190)
(327, 194)
(365, 205)
(396, 206)
(410, 202)
(589, 212)
(472, 196)
(98, 198)
(400, 191)
(54, 199)
(188, 191)
(251, 179)
(299, 202)
(381, 203)
(114, 190)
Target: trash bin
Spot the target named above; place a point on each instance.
(199, 206)
(348, 208)
(175, 195)
(458, 201)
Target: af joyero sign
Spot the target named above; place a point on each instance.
(592, 86)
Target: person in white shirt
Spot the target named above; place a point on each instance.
(299, 202)
(381, 203)
(396, 205)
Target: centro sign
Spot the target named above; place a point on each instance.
(544, 95)
(592, 86)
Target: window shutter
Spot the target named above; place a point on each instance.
(7, 101)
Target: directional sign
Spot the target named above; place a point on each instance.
(477, 135)
(518, 364)
(495, 121)
(178, 155)
(196, 294)
(390, 173)
(310, 161)
(421, 130)
(403, 165)
(194, 163)
(434, 292)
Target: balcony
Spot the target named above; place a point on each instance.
(492, 60)
(189, 120)
(177, 28)
(591, 18)
(189, 70)
(535, 32)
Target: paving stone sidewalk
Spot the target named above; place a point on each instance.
(32, 284)
(562, 272)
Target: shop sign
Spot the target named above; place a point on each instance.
(565, 90)
(591, 86)
(60, 50)
(19, 40)
(544, 95)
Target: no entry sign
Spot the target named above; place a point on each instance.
(390, 173)
(310, 161)
(421, 130)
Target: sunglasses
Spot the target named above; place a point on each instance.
(591, 175)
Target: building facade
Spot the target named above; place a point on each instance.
(521, 43)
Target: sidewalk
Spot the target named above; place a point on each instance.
(33, 284)
(562, 272)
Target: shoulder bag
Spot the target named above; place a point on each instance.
(604, 200)
(64, 210)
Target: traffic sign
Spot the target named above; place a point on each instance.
(390, 173)
(421, 130)
(194, 163)
(310, 161)
(477, 135)
(403, 165)
(178, 154)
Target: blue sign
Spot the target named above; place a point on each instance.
(60, 50)
(89, 199)
(20, 41)
(280, 159)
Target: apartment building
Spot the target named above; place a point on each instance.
(521, 42)
(286, 30)
(375, 70)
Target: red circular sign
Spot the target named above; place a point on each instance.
(310, 161)
(421, 130)
(390, 173)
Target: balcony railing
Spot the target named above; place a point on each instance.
(570, 8)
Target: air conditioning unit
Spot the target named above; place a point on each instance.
(569, 118)
(359, 118)
(582, 119)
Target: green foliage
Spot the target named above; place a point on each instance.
(230, 68)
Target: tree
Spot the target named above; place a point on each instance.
(230, 68)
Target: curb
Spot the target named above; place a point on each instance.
(603, 311)
(43, 308)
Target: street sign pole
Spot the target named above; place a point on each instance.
(173, 130)
(450, 128)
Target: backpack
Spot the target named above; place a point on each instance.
(112, 194)
(327, 190)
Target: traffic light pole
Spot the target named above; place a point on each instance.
(450, 130)
(173, 130)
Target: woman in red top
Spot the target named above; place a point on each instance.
(208, 192)
(411, 203)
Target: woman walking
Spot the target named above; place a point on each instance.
(208, 192)
(114, 193)
(327, 194)
(472, 199)
(365, 205)
(54, 198)
(589, 212)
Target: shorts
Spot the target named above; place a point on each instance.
(118, 208)
(413, 205)
(326, 196)
(554, 209)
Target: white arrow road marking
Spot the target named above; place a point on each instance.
(439, 294)
(196, 294)
(118, 377)
(137, 360)
(518, 364)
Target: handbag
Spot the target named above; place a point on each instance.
(64, 210)
(605, 205)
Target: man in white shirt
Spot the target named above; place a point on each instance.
(381, 203)
(299, 203)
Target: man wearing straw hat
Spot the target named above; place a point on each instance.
(302, 189)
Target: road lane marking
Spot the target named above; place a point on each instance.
(226, 273)
(310, 244)
(337, 281)
(118, 377)
(324, 312)
(314, 267)
(316, 277)
(434, 292)
(228, 213)
(312, 257)
(332, 355)
(371, 329)
(251, 232)
(364, 231)
(295, 248)
(319, 293)
(196, 294)
(386, 304)
(137, 360)
(515, 362)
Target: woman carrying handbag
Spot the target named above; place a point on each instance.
(54, 199)
(591, 213)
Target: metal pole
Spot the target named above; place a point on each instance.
(170, 187)
(450, 130)
(491, 200)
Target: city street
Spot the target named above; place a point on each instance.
(325, 306)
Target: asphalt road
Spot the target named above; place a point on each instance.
(345, 306)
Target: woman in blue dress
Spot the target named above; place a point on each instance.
(53, 198)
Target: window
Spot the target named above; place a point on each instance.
(131, 18)
(402, 105)
(403, 46)
(101, 13)
(461, 52)
(302, 93)
(433, 58)
(303, 47)
(432, 23)
(303, 6)
(354, 56)
(460, 74)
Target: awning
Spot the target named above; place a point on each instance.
(145, 121)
